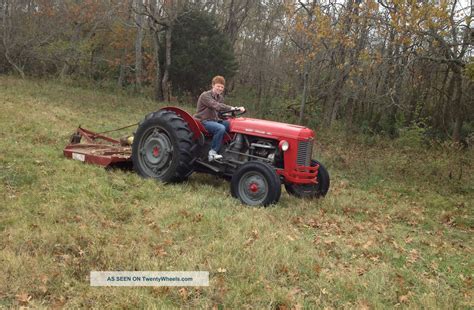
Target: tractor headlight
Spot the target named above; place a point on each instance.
(284, 145)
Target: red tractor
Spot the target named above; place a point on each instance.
(258, 155)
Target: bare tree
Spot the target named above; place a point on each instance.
(9, 11)
(139, 21)
(237, 12)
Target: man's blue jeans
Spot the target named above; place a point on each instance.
(217, 129)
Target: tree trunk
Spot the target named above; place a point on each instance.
(64, 70)
(165, 84)
(6, 36)
(458, 122)
(361, 31)
(259, 92)
(121, 78)
(237, 13)
(305, 87)
(441, 102)
(138, 45)
(158, 92)
(14, 65)
(457, 106)
(350, 114)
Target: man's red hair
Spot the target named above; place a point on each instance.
(218, 80)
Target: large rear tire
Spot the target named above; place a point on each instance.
(256, 183)
(311, 190)
(163, 147)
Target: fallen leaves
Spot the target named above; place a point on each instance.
(311, 223)
(400, 281)
(368, 244)
(294, 292)
(195, 218)
(160, 251)
(448, 219)
(329, 242)
(282, 306)
(59, 302)
(403, 299)
(23, 298)
(398, 247)
(317, 269)
(167, 242)
(185, 213)
(360, 271)
(340, 187)
(221, 270)
(43, 289)
(359, 227)
(252, 238)
(160, 290)
(413, 256)
(363, 305)
(374, 258)
(108, 224)
(44, 278)
(297, 306)
(283, 269)
(183, 292)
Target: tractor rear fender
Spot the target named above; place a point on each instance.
(196, 127)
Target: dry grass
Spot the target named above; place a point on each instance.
(395, 229)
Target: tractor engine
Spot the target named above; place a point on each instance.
(263, 148)
(244, 147)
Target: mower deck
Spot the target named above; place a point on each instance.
(97, 149)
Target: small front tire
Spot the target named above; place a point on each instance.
(256, 183)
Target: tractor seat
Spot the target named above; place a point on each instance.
(206, 133)
(202, 128)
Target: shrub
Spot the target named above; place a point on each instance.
(411, 137)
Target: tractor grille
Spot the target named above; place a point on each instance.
(305, 149)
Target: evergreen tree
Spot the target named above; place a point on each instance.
(200, 51)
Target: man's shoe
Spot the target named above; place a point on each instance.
(213, 155)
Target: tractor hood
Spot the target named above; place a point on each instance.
(269, 129)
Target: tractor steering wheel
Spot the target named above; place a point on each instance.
(231, 113)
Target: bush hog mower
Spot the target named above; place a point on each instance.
(258, 155)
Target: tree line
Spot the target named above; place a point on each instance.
(374, 65)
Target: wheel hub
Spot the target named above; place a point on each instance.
(253, 188)
(156, 151)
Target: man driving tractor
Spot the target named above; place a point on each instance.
(209, 104)
(259, 156)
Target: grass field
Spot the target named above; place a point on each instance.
(395, 230)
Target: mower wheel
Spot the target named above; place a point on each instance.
(256, 183)
(311, 190)
(163, 148)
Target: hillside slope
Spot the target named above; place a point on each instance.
(395, 228)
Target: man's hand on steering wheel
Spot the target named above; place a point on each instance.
(241, 109)
(235, 111)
